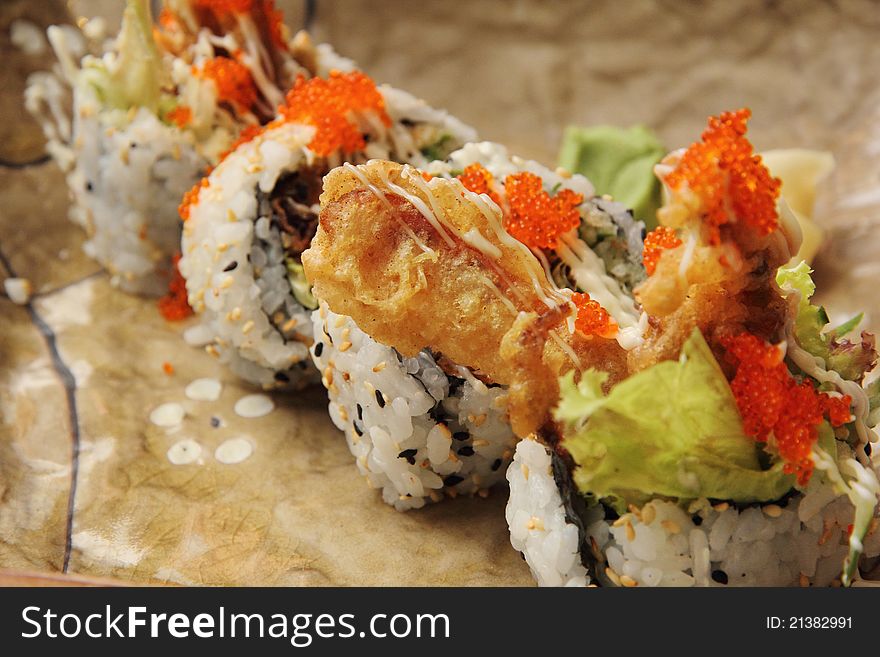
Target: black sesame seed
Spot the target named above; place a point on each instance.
(719, 576)
(496, 464)
(89, 186)
(232, 265)
(215, 422)
(360, 412)
(452, 480)
(461, 435)
(319, 349)
(380, 399)
(697, 519)
(132, 145)
(467, 450)
(282, 377)
(357, 429)
(409, 455)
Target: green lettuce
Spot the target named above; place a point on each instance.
(848, 358)
(848, 477)
(672, 430)
(619, 162)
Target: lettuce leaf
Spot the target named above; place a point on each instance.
(673, 430)
(619, 162)
(848, 358)
(848, 477)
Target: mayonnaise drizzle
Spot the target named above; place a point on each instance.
(477, 240)
(588, 271)
(566, 348)
(419, 205)
(491, 212)
(507, 302)
(381, 196)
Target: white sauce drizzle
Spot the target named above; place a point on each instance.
(566, 348)
(492, 212)
(588, 271)
(686, 258)
(419, 205)
(477, 240)
(381, 196)
(507, 302)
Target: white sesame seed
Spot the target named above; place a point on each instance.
(251, 406)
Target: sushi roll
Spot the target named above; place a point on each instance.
(247, 224)
(700, 427)
(431, 281)
(150, 112)
(738, 449)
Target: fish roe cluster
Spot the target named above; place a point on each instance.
(536, 219)
(191, 198)
(181, 116)
(248, 134)
(174, 306)
(329, 103)
(592, 319)
(658, 240)
(773, 403)
(723, 171)
(476, 178)
(233, 79)
(275, 18)
(226, 6)
(167, 18)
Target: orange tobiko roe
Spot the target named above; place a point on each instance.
(167, 18)
(658, 240)
(476, 178)
(174, 305)
(226, 6)
(328, 103)
(773, 403)
(191, 198)
(723, 171)
(592, 319)
(276, 19)
(536, 219)
(248, 134)
(233, 79)
(274, 16)
(180, 116)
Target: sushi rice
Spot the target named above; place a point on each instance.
(438, 433)
(798, 542)
(110, 124)
(416, 433)
(242, 277)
